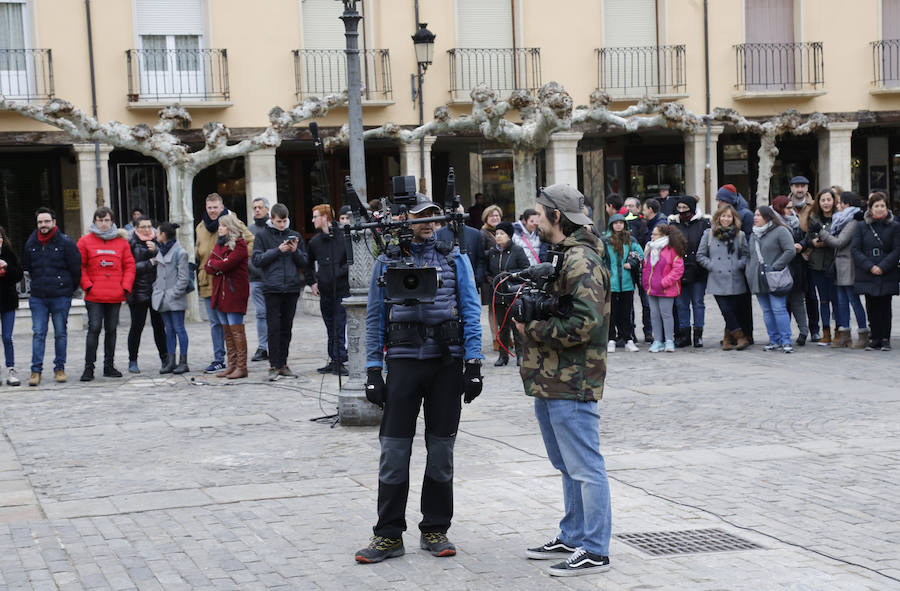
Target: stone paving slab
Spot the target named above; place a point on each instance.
(155, 482)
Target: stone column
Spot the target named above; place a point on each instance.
(410, 163)
(834, 154)
(695, 165)
(353, 408)
(562, 158)
(259, 170)
(87, 183)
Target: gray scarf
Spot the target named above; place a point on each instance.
(113, 232)
(760, 231)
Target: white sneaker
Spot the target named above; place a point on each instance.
(11, 377)
(611, 347)
(631, 346)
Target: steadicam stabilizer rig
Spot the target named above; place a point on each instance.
(391, 228)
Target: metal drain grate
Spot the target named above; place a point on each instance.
(692, 541)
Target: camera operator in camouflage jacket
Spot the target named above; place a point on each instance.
(564, 369)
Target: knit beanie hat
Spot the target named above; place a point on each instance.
(507, 227)
(728, 194)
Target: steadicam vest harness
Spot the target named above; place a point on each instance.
(426, 326)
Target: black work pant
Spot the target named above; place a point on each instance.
(812, 302)
(106, 317)
(280, 310)
(410, 382)
(335, 317)
(621, 307)
(138, 320)
(878, 309)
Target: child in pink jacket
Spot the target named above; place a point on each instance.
(661, 276)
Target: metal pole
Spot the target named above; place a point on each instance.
(351, 20)
(87, 10)
(707, 173)
(421, 123)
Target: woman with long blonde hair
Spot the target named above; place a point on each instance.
(227, 265)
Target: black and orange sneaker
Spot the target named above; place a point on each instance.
(380, 548)
(437, 543)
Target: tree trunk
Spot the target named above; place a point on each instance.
(181, 211)
(767, 153)
(524, 179)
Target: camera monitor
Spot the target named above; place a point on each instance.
(410, 284)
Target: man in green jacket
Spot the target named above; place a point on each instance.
(564, 369)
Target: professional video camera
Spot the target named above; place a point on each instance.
(526, 295)
(392, 230)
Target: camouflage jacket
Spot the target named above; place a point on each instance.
(566, 357)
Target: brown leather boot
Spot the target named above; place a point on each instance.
(240, 352)
(862, 339)
(842, 338)
(728, 341)
(229, 351)
(826, 336)
(741, 339)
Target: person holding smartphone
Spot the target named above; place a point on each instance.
(281, 255)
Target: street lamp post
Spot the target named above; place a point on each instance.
(351, 18)
(423, 41)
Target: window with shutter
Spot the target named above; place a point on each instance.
(630, 57)
(484, 46)
(13, 64)
(889, 47)
(324, 69)
(173, 63)
(769, 61)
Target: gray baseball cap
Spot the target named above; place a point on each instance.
(567, 200)
(423, 203)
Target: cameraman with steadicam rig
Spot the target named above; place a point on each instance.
(564, 368)
(425, 344)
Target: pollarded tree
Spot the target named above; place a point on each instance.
(160, 143)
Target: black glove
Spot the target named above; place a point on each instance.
(472, 377)
(375, 388)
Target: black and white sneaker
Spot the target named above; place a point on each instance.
(772, 347)
(551, 550)
(581, 562)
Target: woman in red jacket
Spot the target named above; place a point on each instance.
(230, 291)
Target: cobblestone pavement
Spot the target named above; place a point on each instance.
(191, 483)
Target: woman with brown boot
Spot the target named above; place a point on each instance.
(227, 265)
(723, 251)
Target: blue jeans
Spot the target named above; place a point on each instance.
(691, 296)
(8, 321)
(571, 436)
(229, 318)
(42, 309)
(776, 317)
(827, 296)
(846, 297)
(335, 317)
(259, 303)
(216, 332)
(174, 322)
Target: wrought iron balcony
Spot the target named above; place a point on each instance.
(780, 67)
(656, 70)
(320, 72)
(886, 64)
(26, 74)
(156, 75)
(503, 70)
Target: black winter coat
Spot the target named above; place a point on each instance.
(475, 248)
(9, 296)
(876, 243)
(693, 233)
(512, 259)
(144, 271)
(55, 268)
(323, 249)
(281, 271)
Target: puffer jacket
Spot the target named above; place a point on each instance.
(777, 248)
(726, 269)
(282, 271)
(107, 268)
(144, 271)
(231, 282)
(693, 232)
(9, 279)
(664, 278)
(55, 268)
(882, 250)
(173, 274)
(566, 357)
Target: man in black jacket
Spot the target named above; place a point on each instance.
(280, 254)
(331, 282)
(260, 218)
(55, 266)
(474, 248)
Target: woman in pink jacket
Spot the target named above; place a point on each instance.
(661, 276)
